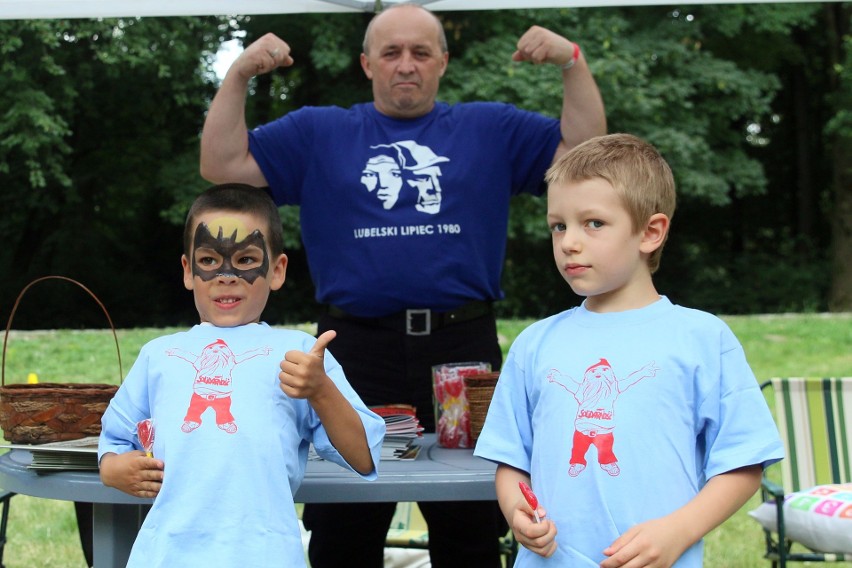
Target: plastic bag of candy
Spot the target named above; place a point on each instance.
(452, 413)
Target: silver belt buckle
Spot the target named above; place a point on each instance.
(411, 317)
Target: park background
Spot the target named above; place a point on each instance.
(750, 103)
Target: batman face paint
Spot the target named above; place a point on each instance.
(231, 253)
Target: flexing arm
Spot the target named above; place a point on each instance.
(660, 542)
(225, 155)
(303, 376)
(583, 115)
(537, 537)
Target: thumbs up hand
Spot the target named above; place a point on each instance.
(303, 374)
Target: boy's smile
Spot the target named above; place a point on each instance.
(231, 272)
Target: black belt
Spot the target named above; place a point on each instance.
(420, 321)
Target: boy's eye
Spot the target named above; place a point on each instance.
(206, 261)
(557, 227)
(247, 260)
(595, 224)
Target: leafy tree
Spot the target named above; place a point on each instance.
(710, 86)
(99, 131)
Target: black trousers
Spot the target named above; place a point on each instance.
(385, 366)
(85, 527)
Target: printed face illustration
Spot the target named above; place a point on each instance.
(428, 187)
(383, 175)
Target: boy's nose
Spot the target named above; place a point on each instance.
(570, 241)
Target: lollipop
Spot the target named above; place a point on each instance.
(532, 500)
(145, 431)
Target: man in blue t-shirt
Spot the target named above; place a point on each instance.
(404, 207)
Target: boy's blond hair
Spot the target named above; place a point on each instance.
(633, 167)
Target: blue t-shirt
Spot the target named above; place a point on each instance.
(234, 445)
(622, 417)
(403, 214)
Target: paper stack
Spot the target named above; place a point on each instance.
(79, 455)
(402, 430)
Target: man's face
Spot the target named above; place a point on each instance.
(405, 62)
(229, 270)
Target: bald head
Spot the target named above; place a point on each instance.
(440, 37)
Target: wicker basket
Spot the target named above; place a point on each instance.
(479, 390)
(52, 412)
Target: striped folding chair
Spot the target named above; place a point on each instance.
(814, 418)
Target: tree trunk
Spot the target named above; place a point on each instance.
(840, 298)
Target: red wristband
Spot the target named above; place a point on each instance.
(574, 57)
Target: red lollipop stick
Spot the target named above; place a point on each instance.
(532, 500)
(145, 431)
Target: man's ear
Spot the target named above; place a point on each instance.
(654, 234)
(187, 272)
(279, 272)
(365, 65)
(445, 58)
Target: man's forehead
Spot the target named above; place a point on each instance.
(403, 27)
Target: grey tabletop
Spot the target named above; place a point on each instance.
(437, 474)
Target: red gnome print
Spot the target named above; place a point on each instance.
(595, 420)
(212, 387)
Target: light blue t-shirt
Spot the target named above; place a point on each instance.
(622, 417)
(234, 445)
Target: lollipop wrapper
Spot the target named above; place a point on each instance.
(452, 411)
(532, 500)
(145, 432)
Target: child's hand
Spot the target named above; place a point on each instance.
(657, 543)
(132, 472)
(303, 374)
(537, 537)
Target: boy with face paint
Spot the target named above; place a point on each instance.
(235, 404)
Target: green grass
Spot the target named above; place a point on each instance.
(42, 533)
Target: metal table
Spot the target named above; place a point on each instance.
(438, 474)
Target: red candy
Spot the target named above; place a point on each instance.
(528, 495)
(145, 431)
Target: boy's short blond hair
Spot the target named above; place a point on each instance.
(634, 168)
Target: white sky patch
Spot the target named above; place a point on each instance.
(228, 51)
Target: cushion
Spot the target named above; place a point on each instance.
(819, 518)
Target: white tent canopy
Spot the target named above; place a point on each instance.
(50, 9)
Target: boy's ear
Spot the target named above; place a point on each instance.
(187, 272)
(655, 233)
(279, 272)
